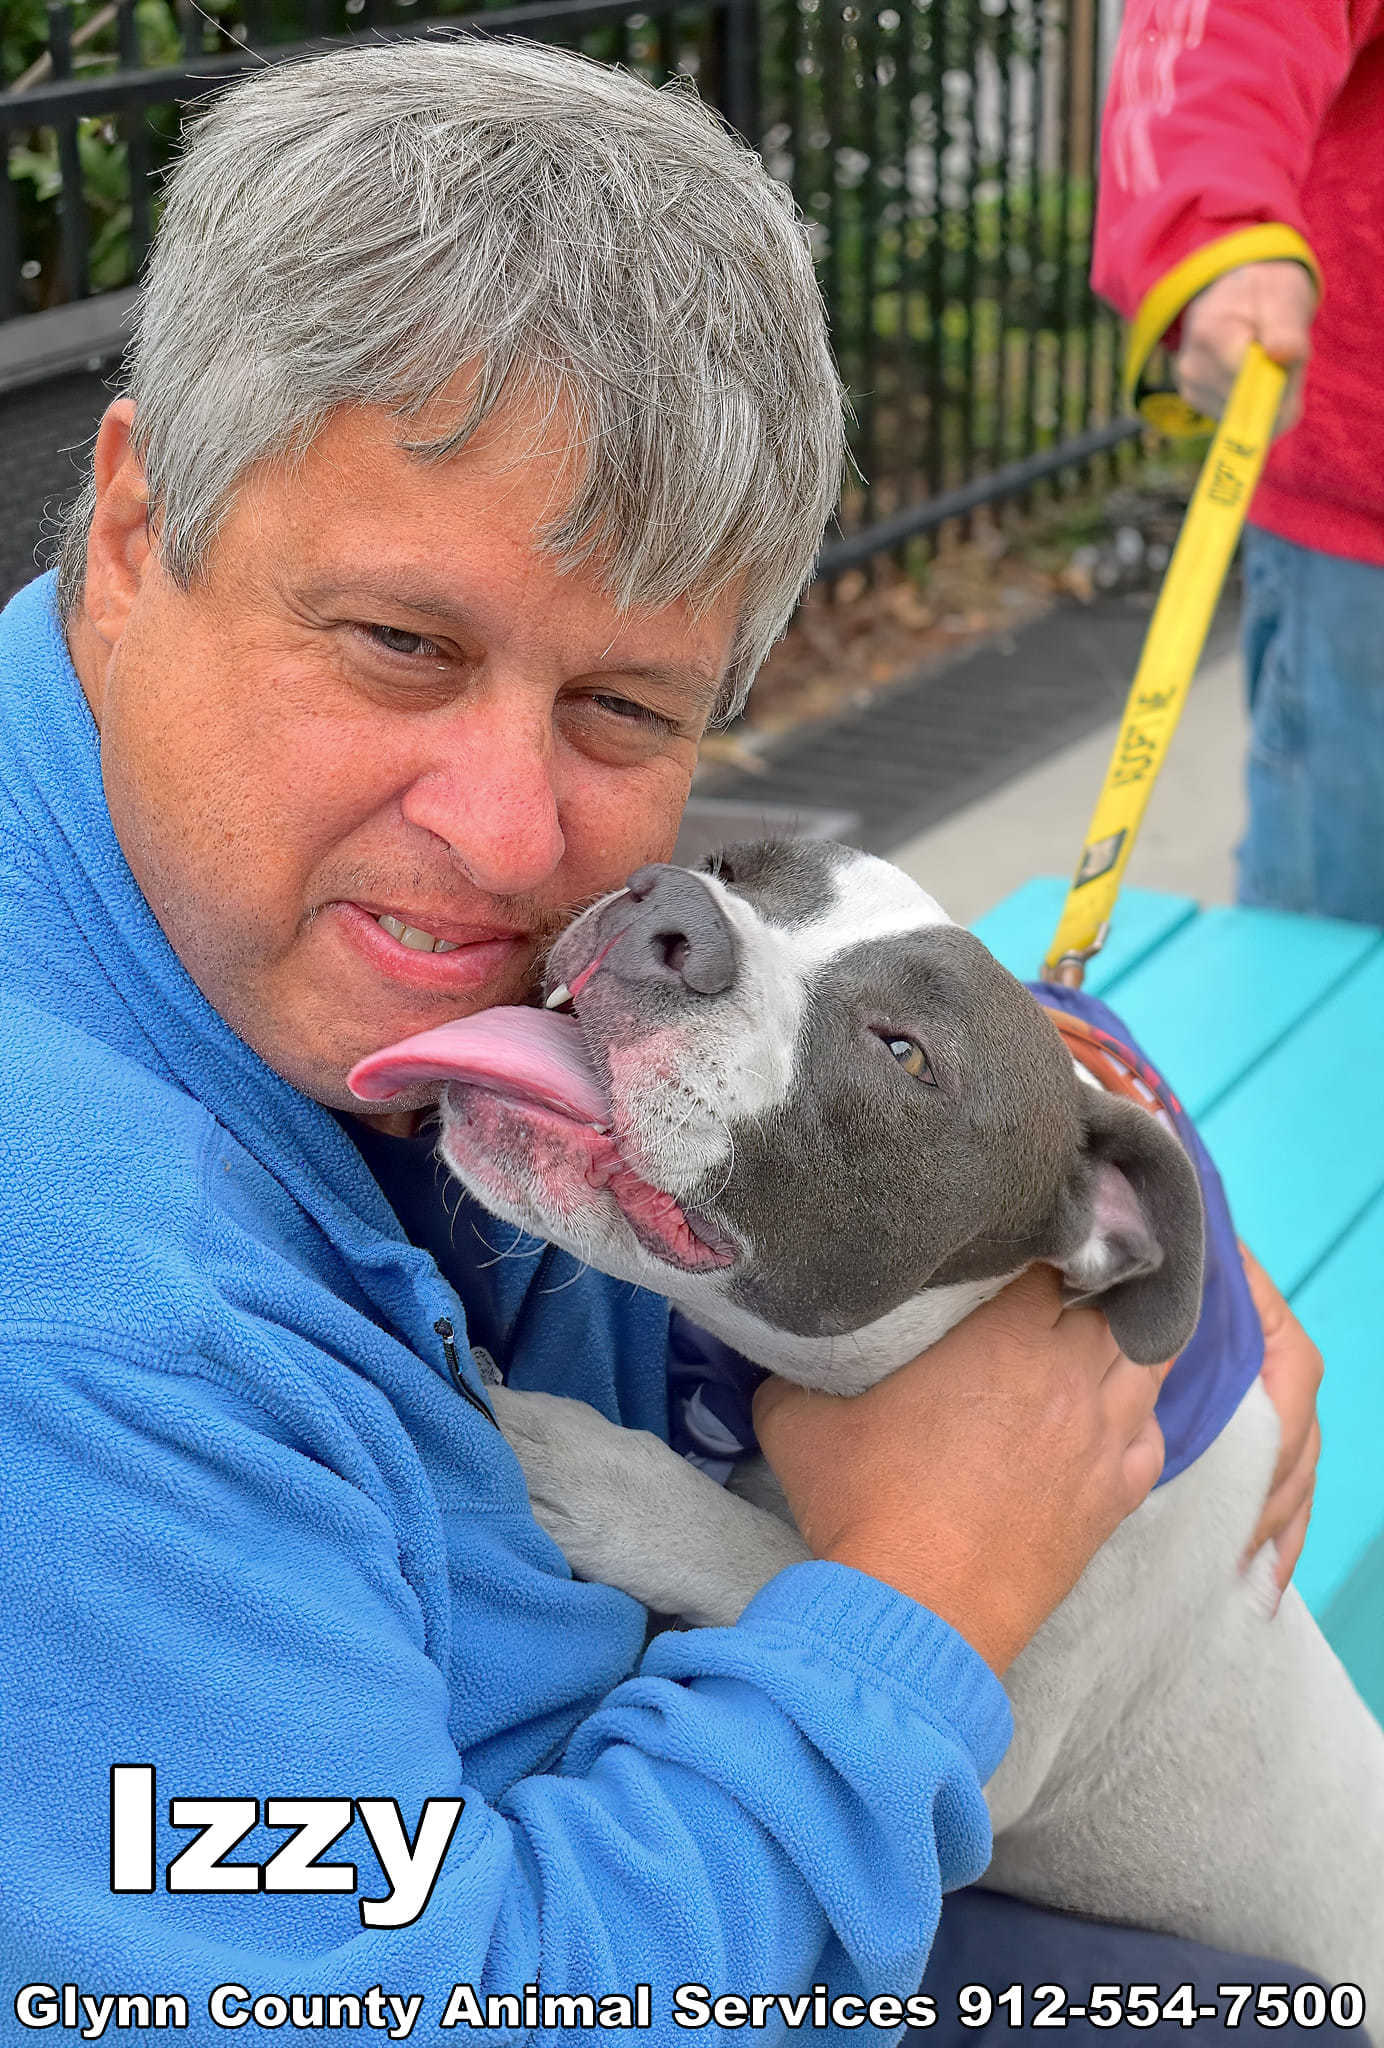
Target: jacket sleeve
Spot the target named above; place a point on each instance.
(758, 1808)
(1211, 121)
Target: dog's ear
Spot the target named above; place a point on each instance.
(1133, 1232)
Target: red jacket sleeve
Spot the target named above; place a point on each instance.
(1210, 125)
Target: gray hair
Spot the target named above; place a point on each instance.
(355, 228)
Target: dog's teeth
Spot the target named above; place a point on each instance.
(559, 996)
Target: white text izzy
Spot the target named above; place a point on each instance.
(410, 1866)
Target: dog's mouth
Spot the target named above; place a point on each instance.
(536, 1063)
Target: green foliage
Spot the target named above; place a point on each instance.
(952, 227)
(34, 162)
(34, 159)
(105, 183)
(23, 35)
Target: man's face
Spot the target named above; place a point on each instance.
(379, 701)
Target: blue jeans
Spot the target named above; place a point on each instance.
(1314, 654)
(989, 1940)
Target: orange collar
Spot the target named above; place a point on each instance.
(1117, 1070)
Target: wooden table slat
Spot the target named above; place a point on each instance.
(1341, 1306)
(1019, 930)
(1300, 1139)
(1224, 988)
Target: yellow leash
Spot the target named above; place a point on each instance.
(1177, 633)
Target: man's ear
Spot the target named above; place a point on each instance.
(118, 545)
(1133, 1229)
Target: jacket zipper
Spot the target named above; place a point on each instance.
(445, 1331)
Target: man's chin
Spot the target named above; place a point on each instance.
(328, 1087)
(318, 1069)
(323, 1011)
(409, 1104)
(323, 1077)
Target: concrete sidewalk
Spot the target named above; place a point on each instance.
(1035, 824)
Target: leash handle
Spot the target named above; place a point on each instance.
(1172, 648)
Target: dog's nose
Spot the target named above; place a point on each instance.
(678, 933)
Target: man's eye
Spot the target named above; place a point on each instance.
(912, 1059)
(395, 640)
(627, 712)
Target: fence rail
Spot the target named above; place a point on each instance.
(942, 150)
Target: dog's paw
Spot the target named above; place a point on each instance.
(626, 1510)
(588, 1479)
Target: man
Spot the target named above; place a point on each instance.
(1242, 181)
(481, 431)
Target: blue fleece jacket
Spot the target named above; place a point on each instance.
(254, 1536)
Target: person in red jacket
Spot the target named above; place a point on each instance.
(1242, 198)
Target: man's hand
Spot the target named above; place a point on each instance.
(983, 1477)
(1292, 1373)
(1271, 303)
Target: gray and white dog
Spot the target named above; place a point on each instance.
(794, 1097)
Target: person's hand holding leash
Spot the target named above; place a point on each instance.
(1292, 1373)
(1271, 303)
(981, 1478)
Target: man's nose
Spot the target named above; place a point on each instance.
(678, 933)
(495, 804)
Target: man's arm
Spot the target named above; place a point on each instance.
(227, 1590)
(193, 1583)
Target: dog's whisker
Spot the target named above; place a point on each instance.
(570, 1281)
(511, 1250)
(729, 1173)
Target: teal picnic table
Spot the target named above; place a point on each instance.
(1271, 1029)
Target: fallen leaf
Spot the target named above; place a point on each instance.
(906, 604)
(733, 752)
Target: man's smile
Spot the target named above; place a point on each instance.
(468, 957)
(426, 931)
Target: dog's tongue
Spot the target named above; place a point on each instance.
(531, 1053)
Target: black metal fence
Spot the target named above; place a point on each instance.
(943, 151)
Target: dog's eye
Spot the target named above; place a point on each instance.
(913, 1060)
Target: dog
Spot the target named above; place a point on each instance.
(788, 1093)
